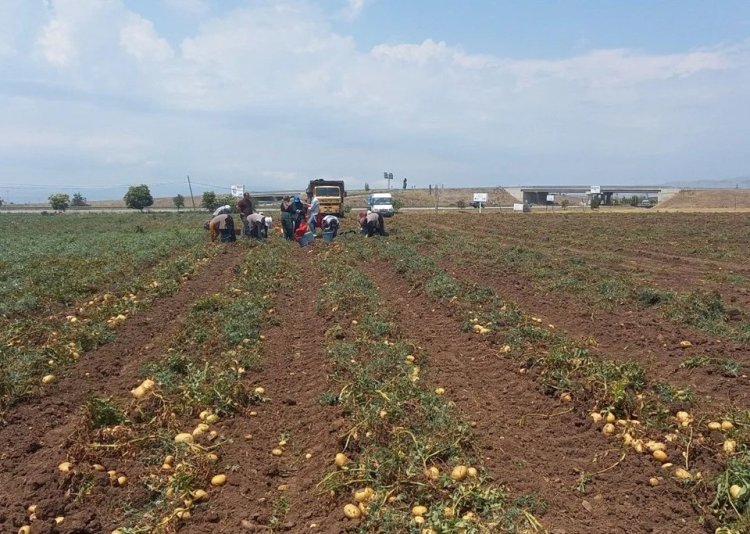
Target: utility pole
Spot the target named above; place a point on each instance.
(192, 199)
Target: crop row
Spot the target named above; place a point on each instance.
(617, 395)
(588, 281)
(158, 455)
(65, 293)
(408, 462)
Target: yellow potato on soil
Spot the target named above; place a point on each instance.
(259, 391)
(183, 437)
(418, 510)
(341, 460)
(448, 512)
(419, 519)
(654, 446)
(596, 417)
(682, 474)
(654, 481)
(122, 480)
(472, 472)
(169, 459)
(736, 491)
(610, 417)
(565, 397)
(219, 480)
(714, 425)
(59, 520)
(730, 446)
(98, 467)
(459, 473)
(200, 495)
(410, 359)
(205, 413)
(64, 467)
(212, 457)
(26, 529)
(727, 425)
(440, 391)
(212, 418)
(352, 511)
(31, 509)
(277, 452)
(432, 472)
(48, 379)
(608, 429)
(660, 456)
(364, 494)
(682, 416)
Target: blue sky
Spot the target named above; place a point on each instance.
(99, 94)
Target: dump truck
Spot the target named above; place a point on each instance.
(330, 194)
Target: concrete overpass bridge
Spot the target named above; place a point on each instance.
(538, 194)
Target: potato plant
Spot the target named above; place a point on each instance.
(407, 462)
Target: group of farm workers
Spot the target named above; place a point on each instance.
(299, 221)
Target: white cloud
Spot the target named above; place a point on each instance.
(140, 40)
(56, 43)
(354, 9)
(272, 90)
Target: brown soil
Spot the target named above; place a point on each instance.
(294, 374)
(628, 334)
(37, 434)
(533, 443)
(709, 198)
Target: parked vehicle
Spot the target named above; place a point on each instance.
(381, 203)
(330, 194)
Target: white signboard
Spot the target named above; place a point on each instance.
(550, 198)
(517, 207)
(595, 189)
(480, 197)
(237, 190)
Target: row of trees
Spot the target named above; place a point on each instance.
(139, 197)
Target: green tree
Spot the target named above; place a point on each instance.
(179, 202)
(138, 197)
(59, 201)
(209, 201)
(78, 200)
(397, 204)
(564, 203)
(461, 203)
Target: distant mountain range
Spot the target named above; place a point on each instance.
(743, 182)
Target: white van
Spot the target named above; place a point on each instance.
(381, 203)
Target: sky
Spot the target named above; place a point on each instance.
(97, 95)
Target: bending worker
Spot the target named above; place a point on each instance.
(222, 225)
(371, 223)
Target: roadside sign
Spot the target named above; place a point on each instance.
(237, 190)
(595, 189)
(550, 198)
(480, 197)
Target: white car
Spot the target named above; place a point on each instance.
(381, 203)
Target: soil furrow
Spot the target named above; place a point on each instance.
(524, 445)
(267, 493)
(625, 334)
(36, 436)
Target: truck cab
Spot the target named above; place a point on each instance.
(330, 194)
(381, 203)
